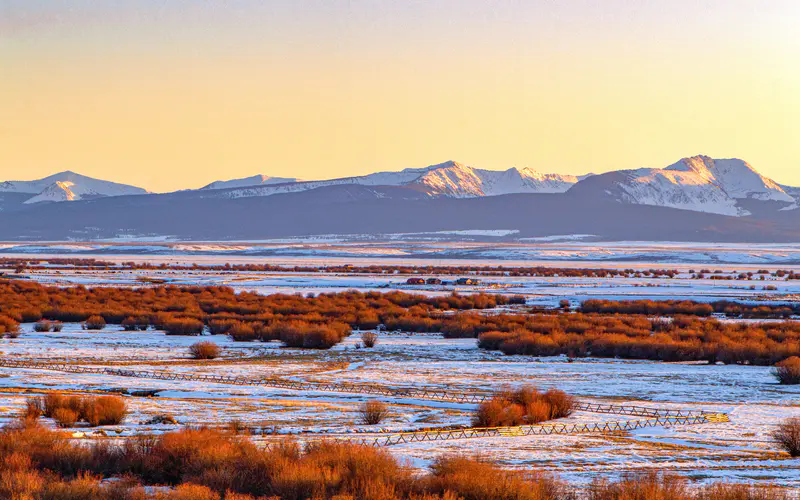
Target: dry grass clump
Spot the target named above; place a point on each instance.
(373, 412)
(787, 435)
(204, 350)
(68, 410)
(788, 371)
(524, 406)
(369, 339)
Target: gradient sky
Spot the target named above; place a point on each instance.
(175, 94)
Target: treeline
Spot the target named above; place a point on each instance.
(205, 464)
(299, 321)
(687, 307)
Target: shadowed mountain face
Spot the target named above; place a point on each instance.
(358, 210)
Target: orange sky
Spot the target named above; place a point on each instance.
(175, 95)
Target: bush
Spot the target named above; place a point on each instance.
(369, 339)
(788, 371)
(190, 492)
(94, 323)
(650, 486)
(104, 410)
(33, 409)
(65, 417)
(204, 350)
(525, 406)
(724, 491)
(42, 326)
(472, 479)
(238, 331)
(56, 326)
(94, 410)
(131, 324)
(373, 412)
(787, 435)
(203, 464)
(8, 327)
(182, 326)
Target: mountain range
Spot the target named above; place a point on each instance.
(730, 200)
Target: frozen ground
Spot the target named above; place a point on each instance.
(426, 249)
(740, 450)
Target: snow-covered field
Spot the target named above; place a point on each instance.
(740, 450)
(546, 291)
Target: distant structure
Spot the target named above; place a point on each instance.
(467, 281)
(433, 281)
(415, 281)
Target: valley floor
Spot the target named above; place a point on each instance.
(739, 450)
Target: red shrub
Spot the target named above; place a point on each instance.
(204, 350)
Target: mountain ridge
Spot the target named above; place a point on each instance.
(697, 183)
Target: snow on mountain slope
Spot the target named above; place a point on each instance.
(256, 180)
(58, 191)
(460, 181)
(736, 177)
(697, 183)
(68, 186)
(450, 179)
(677, 189)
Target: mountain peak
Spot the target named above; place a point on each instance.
(448, 164)
(699, 183)
(734, 176)
(68, 186)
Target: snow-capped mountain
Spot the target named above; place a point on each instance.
(716, 186)
(697, 183)
(451, 179)
(736, 177)
(460, 181)
(68, 186)
(256, 180)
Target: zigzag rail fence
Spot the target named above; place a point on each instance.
(396, 438)
(378, 390)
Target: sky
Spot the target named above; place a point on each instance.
(174, 95)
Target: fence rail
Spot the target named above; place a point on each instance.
(468, 397)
